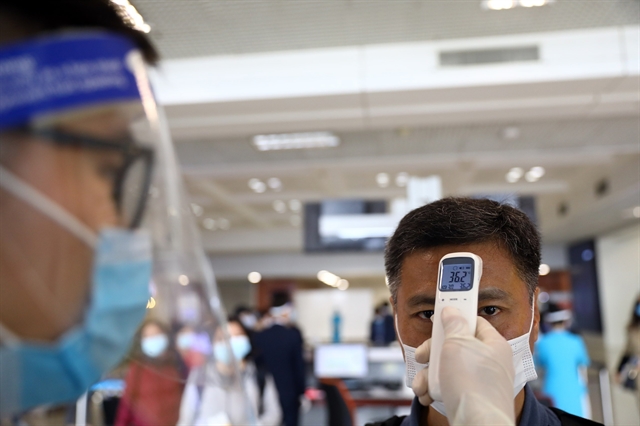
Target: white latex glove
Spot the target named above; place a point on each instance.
(476, 373)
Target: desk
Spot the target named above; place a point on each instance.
(381, 397)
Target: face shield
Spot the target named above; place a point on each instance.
(97, 238)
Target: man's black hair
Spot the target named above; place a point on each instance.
(280, 298)
(42, 16)
(461, 221)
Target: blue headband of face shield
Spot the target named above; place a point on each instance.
(38, 78)
(66, 71)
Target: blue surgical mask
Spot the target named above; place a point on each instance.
(185, 340)
(154, 346)
(32, 373)
(638, 309)
(240, 347)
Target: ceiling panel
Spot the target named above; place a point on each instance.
(190, 28)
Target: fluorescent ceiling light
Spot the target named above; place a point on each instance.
(295, 141)
(328, 278)
(509, 4)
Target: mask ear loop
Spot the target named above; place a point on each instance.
(46, 206)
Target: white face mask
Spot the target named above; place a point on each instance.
(522, 363)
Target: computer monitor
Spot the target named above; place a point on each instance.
(341, 361)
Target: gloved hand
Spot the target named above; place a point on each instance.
(476, 373)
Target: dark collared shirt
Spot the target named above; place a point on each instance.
(533, 413)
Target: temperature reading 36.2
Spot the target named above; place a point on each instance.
(456, 277)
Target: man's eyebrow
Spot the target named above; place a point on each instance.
(493, 293)
(421, 299)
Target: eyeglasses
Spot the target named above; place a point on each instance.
(132, 178)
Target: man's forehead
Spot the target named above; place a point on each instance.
(427, 260)
(419, 272)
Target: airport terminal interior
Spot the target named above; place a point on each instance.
(362, 97)
(305, 130)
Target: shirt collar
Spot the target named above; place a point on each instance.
(533, 413)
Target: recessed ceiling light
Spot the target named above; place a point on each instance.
(343, 284)
(295, 141)
(544, 269)
(295, 205)
(534, 174)
(183, 280)
(280, 206)
(382, 179)
(543, 297)
(224, 223)
(511, 133)
(402, 179)
(254, 277)
(514, 174)
(209, 224)
(274, 183)
(197, 209)
(636, 211)
(257, 185)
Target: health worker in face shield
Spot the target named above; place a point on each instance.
(481, 382)
(96, 230)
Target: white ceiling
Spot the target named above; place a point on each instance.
(190, 28)
(580, 120)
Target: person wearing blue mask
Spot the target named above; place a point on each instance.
(152, 396)
(207, 404)
(95, 224)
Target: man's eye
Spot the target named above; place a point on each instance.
(490, 311)
(425, 314)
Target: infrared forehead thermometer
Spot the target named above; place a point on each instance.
(458, 281)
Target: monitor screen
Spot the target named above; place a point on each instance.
(341, 361)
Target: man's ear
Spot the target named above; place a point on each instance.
(393, 305)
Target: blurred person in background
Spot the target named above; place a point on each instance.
(629, 366)
(382, 329)
(509, 245)
(562, 357)
(191, 347)
(152, 395)
(74, 272)
(247, 316)
(280, 345)
(204, 402)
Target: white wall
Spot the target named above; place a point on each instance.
(618, 263)
(315, 312)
